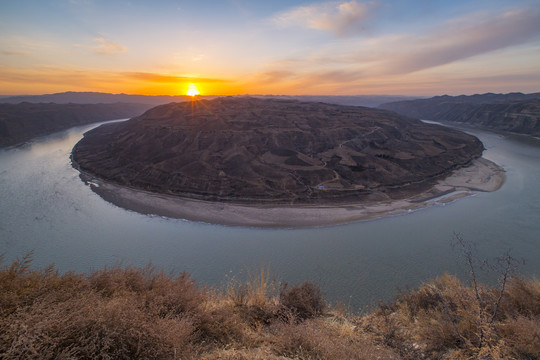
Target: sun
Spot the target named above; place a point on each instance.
(192, 90)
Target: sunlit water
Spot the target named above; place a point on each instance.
(46, 208)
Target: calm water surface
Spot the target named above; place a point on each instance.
(46, 208)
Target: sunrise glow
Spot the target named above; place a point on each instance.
(343, 47)
(192, 90)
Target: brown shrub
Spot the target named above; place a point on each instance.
(20, 286)
(116, 280)
(385, 326)
(522, 337)
(437, 332)
(304, 301)
(125, 313)
(431, 296)
(89, 326)
(256, 300)
(242, 354)
(523, 297)
(113, 313)
(221, 326)
(169, 297)
(316, 339)
(256, 316)
(448, 320)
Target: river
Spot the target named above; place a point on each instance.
(47, 209)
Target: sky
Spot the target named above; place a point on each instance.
(394, 47)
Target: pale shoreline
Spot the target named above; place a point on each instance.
(481, 175)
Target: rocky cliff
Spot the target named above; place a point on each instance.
(246, 149)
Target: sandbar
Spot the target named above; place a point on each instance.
(482, 175)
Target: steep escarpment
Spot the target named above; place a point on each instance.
(246, 149)
(516, 112)
(24, 121)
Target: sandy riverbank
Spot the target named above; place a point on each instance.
(482, 175)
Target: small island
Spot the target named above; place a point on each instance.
(275, 162)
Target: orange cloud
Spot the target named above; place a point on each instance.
(55, 79)
(160, 78)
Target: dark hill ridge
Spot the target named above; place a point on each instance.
(24, 121)
(514, 112)
(72, 97)
(247, 149)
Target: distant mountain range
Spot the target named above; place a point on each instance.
(351, 100)
(105, 98)
(93, 98)
(513, 112)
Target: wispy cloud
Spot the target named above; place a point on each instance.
(419, 59)
(464, 38)
(456, 40)
(198, 57)
(14, 52)
(50, 75)
(339, 17)
(274, 76)
(106, 47)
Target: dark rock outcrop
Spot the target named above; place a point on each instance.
(246, 149)
(514, 112)
(24, 121)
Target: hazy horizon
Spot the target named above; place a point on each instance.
(235, 47)
(248, 94)
(205, 95)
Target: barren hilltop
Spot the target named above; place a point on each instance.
(269, 150)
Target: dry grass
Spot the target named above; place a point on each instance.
(129, 313)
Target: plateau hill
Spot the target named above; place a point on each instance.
(279, 151)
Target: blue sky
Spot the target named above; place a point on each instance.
(270, 47)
